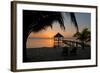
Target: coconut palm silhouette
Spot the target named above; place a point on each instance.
(83, 36)
(35, 21)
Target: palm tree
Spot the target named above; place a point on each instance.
(84, 36)
(35, 21)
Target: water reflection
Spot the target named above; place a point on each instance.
(36, 43)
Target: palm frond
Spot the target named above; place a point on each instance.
(42, 20)
(73, 19)
(85, 35)
(61, 22)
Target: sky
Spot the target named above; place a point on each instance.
(83, 20)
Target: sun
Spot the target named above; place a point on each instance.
(49, 34)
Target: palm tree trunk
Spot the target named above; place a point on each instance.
(27, 20)
(24, 47)
(82, 45)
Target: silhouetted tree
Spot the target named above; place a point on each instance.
(83, 36)
(35, 21)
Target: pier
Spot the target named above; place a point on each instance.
(71, 43)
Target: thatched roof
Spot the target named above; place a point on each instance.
(58, 35)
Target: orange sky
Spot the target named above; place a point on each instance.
(49, 33)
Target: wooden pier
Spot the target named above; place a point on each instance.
(74, 43)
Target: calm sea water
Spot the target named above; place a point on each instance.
(36, 43)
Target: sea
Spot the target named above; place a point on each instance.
(42, 42)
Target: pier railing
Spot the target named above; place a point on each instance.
(71, 43)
